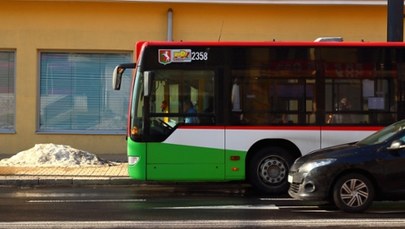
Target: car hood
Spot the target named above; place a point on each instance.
(339, 151)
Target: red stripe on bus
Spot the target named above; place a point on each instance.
(352, 128)
(202, 127)
(273, 128)
(292, 128)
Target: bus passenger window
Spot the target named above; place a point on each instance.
(207, 117)
(191, 112)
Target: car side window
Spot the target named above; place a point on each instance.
(402, 139)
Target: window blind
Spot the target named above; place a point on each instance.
(76, 93)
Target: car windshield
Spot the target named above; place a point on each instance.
(384, 134)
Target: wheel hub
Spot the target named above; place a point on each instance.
(273, 170)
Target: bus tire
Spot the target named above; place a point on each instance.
(268, 170)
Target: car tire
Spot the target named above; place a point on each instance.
(353, 193)
(268, 170)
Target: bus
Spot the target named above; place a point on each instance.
(245, 111)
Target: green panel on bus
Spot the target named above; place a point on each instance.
(186, 172)
(160, 153)
(180, 162)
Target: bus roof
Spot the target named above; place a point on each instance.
(141, 44)
(271, 43)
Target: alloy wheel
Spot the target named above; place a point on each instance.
(354, 192)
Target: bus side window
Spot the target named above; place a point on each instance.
(236, 103)
(208, 116)
(190, 112)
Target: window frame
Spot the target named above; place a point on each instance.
(14, 65)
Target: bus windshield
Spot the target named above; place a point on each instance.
(176, 97)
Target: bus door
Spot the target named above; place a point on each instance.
(184, 142)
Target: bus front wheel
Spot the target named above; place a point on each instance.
(268, 170)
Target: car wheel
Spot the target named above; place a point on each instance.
(353, 193)
(268, 170)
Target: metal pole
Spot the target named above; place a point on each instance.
(395, 20)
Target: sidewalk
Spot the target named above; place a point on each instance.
(84, 175)
(88, 175)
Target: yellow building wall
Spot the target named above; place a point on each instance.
(32, 27)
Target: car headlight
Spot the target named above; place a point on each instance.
(315, 164)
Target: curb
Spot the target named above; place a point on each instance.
(62, 181)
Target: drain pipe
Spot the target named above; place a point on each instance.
(170, 24)
(395, 20)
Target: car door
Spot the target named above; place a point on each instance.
(393, 162)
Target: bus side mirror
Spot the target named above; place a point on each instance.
(117, 74)
(147, 82)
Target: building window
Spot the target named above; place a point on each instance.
(76, 93)
(7, 96)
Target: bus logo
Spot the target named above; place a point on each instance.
(167, 56)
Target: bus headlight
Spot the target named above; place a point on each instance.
(133, 160)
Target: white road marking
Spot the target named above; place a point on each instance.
(299, 206)
(86, 201)
(277, 199)
(227, 207)
(307, 223)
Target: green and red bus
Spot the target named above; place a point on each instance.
(247, 110)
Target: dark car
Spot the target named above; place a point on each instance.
(353, 175)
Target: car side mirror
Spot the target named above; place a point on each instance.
(397, 144)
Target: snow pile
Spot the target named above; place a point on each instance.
(53, 155)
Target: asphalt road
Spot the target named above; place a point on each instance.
(178, 206)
